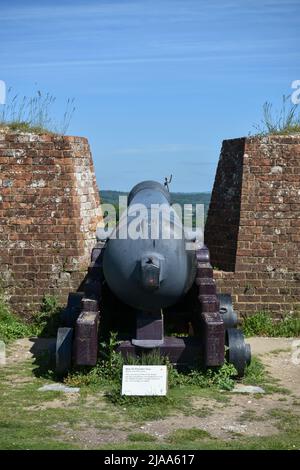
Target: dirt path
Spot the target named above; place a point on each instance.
(246, 414)
(26, 348)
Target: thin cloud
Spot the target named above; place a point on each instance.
(163, 148)
(143, 60)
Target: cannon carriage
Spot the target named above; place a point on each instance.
(144, 284)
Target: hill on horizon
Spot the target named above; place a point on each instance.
(109, 196)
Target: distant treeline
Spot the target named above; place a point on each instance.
(112, 197)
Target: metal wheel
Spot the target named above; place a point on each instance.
(226, 310)
(238, 352)
(64, 344)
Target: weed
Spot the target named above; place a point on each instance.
(44, 323)
(109, 370)
(255, 374)
(261, 324)
(11, 326)
(286, 121)
(47, 319)
(140, 437)
(188, 435)
(285, 419)
(33, 114)
(248, 415)
(108, 374)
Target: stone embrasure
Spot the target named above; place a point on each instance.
(253, 224)
(49, 211)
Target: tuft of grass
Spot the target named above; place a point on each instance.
(109, 371)
(249, 415)
(285, 419)
(284, 121)
(140, 437)
(47, 319)
(33, 114)
(256, 374)
(180, 436)
(261, 324)
(44, 323)
(25, 127)
(11, 326)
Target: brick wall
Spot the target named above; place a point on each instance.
(253, 225)
(49, 209)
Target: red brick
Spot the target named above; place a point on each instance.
(39, 221)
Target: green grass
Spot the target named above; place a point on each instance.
(285, 420)
(283, 122)
(34, 114)
(182, 386)
(188, 435)
(11, 326)
(280, 441)
(262, 324)
(29, 419)
(256, 374)
(140, 437)
(210, 384)
(24, 127)
(249, 415)
(44, 323)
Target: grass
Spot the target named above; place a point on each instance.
(140, 437)
(44, 322)
(34, 114)
(262, 324)
(182, 386)
(210, 384)
(30, 419)
(285, 420)
(284, 121)
(190, 435)
(11, 326)
(279, 441)
(249, 415)
(256, 374)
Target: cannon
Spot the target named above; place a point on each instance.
(147, 277)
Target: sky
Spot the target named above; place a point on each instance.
(157, 84)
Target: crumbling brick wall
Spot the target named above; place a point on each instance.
(49, 210)
(253, 224)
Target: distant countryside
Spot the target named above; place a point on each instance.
(112, 197)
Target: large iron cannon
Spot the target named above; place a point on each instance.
(149, 268)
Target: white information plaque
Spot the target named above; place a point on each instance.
(144, 380)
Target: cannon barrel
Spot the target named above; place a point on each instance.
(147, 265)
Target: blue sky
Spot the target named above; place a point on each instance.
(158, 84)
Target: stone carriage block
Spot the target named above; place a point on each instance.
(86, 339)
